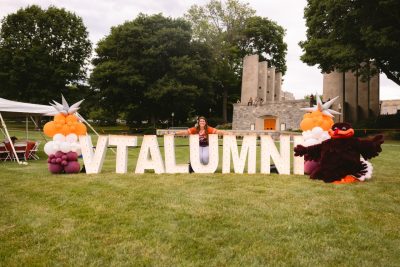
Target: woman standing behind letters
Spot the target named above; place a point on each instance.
(203, 130)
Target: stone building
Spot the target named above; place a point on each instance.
(358, 99)
(390, 107)
(263, 105)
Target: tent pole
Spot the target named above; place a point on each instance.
(87, 123)
(9, 139)
(37, 127)
(26, 128)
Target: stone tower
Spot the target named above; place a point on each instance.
(260, 81)
(357, 99)
(250, 78)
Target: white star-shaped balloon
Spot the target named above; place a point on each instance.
(64, 108)
(323, 107)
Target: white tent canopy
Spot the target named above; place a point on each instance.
(19, 108)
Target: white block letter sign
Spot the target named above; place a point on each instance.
(249, 145)
(170, 161)
(197, 166)
(150, 156)
(122, 142)
(93, 160)
(298, 162)
(269, 150)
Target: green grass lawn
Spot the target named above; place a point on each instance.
(197, 220)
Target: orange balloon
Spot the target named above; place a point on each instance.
(58, 125)
(327, 123)
(306, 124)
(59, 118)
(307, 115)
(49, 129)
(80, 129)
(65, 130)
(71, 118)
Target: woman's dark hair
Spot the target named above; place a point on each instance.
(205, 126)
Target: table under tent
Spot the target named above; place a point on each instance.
(23, 151)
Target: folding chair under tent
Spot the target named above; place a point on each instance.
(19, 109)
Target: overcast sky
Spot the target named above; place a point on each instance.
(100, 15)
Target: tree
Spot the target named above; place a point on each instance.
(232, 30)
(42, 52)
(265, 38)
(353, 35)
(148, 68)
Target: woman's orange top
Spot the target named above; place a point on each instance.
(203, 137)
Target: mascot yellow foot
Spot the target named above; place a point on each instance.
(348, 179)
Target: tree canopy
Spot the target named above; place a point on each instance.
(345, 35)
(148, 68)
(42, 53)
(232, 31)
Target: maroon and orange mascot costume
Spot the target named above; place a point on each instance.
(342, 158)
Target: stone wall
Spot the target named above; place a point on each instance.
(287, 112)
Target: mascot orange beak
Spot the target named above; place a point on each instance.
(341, 134)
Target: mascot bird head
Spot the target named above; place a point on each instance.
(341, 130)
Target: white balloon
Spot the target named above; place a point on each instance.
(317, 130)
(306, 134)
(76, 147)
(311, 142)
(56, 145)
(71, 138)
(325, 136)
(48, 148)
(65, 147)
(59, 137)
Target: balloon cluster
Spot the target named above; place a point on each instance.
(64, 124)
(65, 128)
(316, 119)
(315, 136)
(63, 162)
(315, 126)
(63, 143)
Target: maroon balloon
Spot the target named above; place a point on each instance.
(64, 157)
(72, 156)
(59, 154)
(58, 160)
(310, 165)
(52, 156)
(53, 161)
(72, 167)
(55, 168)
(64, 163)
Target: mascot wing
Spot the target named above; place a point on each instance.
(309, 153)
(370, 148)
